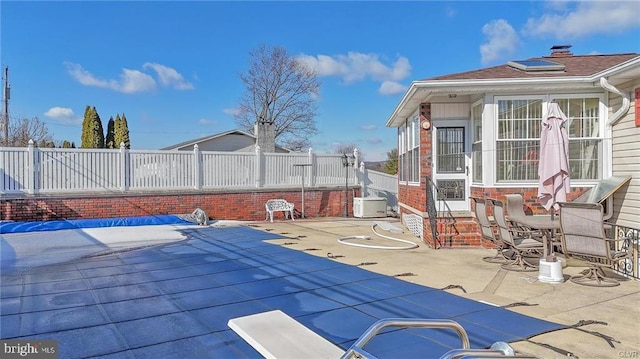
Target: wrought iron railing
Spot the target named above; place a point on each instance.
(628, 267)
(441, 219)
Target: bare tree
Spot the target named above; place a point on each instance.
(282, 91)
(348, 148)
(21, 131)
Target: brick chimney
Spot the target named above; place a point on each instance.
(265, 136)
(561, 51)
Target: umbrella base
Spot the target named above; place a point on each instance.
(550, 271)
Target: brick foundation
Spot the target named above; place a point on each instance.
(238, 205)
(466, 224)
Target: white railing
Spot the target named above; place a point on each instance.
(32, 170)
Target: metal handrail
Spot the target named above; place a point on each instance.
(497, 350)
(357, 347)
(443, 210)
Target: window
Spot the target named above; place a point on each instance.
(518, 140)
(402, 153)
(409, 151)
(413, 147)
(476, 147)
(519, 125)
(585, 141)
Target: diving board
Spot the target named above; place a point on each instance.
(275, 335)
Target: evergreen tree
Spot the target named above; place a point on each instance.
(73, 145)
(391, 166)
(98, 131)
(92, 131)
(85, 140)
(110, 140)
(121, 132)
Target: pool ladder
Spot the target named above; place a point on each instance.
(497, 350)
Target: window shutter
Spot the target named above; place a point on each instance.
(637, 97)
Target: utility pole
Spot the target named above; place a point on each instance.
(7, 94)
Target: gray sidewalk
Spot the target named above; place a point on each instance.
(614, 313)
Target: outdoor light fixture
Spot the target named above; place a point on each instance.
(425, 123)
(347, 161)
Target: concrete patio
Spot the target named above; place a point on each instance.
(615, 332)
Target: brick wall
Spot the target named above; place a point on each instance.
(239, 205)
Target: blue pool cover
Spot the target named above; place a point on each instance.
(39, 226)
(174, 301)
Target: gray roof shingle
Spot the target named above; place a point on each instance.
(581, 65)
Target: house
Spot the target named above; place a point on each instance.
(477, 133)
(231, 141)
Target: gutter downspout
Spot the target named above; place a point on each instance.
(625, 102)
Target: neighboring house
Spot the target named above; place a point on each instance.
(231, 141)
(477, 133)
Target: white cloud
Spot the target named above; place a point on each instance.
(169, 76)
(354, 67)
(502, 41)
(585, 18)
(131, 81)
(368, 127)
(391, 88)
(206, 122)
(231, 111)
(450, 11)
(63, 115)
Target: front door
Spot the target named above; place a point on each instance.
(451, 162)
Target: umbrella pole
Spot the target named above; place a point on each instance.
(552, 233)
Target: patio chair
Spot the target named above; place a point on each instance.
(487, 233)
(515, 210)
(584, 237)
(515, 205)
(527, 250)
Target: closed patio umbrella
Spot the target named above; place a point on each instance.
(553, 166)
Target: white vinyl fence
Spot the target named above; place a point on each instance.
(32, 170)
(380, 184)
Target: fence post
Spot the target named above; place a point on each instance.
(356, 161)
(125, 173)
(258, 167)
(32, 168)
(197, 165)
(362, 175)
(312, 169)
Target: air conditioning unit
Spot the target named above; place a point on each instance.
(369, 207)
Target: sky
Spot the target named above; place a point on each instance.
(172, 67)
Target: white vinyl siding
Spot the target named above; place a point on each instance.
(626, 160)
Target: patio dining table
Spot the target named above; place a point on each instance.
(544, 223)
